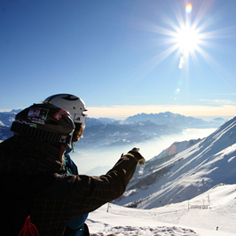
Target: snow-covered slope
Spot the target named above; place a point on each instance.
(200, 216)
(175, 178)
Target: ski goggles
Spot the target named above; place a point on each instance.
(79, 118)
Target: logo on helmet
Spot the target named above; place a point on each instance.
(38, 115)
(59, 114)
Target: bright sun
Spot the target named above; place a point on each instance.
(187, 37)
(187, 40)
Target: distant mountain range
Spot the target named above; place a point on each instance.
(175, 120)
(6, 119)
(184, 170)
(135, 129)
(139, 128)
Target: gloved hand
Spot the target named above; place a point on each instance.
(137, 155)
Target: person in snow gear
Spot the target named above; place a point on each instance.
(76, 107)
(34, 180)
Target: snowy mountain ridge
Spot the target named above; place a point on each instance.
(182, 173)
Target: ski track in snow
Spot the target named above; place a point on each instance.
(121, 221)
(158, 231)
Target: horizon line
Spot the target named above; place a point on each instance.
(186, 110)
(125, 111)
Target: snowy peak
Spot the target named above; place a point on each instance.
(7, 118)
(185, 170)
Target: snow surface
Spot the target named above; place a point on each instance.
(199, 216)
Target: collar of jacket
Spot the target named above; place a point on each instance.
(23, 155)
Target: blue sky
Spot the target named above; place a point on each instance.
(121, 57)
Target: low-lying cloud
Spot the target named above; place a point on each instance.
(108, 156)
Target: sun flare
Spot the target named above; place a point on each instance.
(187, 39)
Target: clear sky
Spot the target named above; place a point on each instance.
(121, 57)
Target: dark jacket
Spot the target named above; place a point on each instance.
(32, 182)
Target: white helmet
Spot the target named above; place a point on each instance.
(72, 104)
